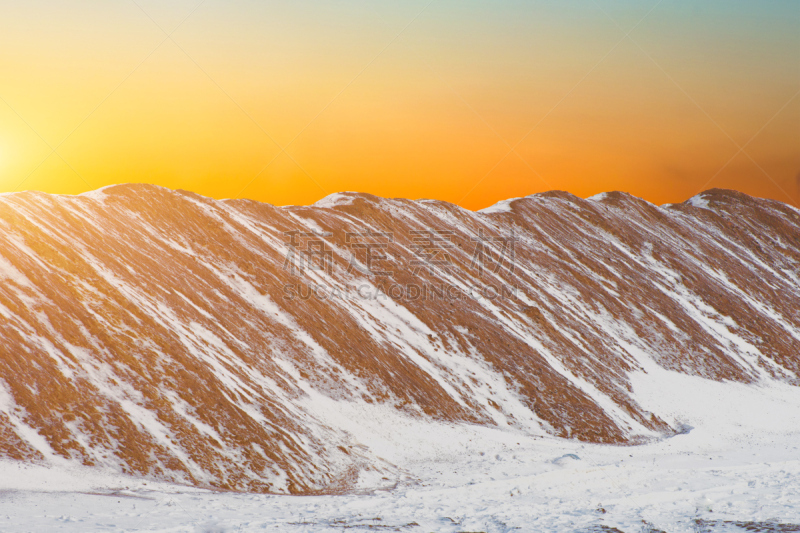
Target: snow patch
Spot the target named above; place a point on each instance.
(336, 199)
(503, 206)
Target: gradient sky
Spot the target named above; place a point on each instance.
(465, 101)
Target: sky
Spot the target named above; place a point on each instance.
(465, 101)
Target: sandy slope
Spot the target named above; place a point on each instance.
(150, 331)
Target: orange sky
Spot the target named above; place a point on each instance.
(286, 102)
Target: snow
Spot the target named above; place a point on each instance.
(99, 194)
(9, 273)
(739, 463)
(336, 199)
(698, 201)
(503, 206)
(598, 197)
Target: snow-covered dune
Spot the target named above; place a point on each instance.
(238, 345)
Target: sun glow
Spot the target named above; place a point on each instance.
(288, 102)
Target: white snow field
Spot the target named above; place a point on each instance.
(736, 469)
